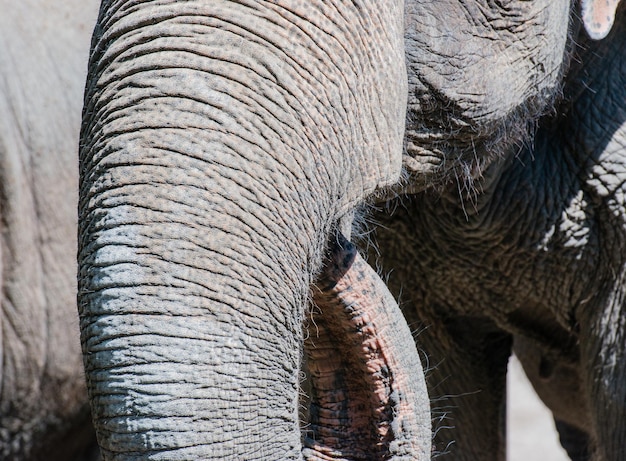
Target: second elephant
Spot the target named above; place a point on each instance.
(531, 258)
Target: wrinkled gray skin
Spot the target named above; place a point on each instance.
(531, 259)
(222, 143)
(44, 412)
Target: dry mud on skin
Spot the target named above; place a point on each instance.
(530, 428)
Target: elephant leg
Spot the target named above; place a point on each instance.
(558, 383)
(466, 377)
(575, 442)
(367, 383)
(603, 355)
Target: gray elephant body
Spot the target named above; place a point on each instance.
(530, 258)
(44, 412)
(222, 144)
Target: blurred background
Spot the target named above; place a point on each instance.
(530, 428)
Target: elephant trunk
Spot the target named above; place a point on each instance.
(369, 398)
(212, 171)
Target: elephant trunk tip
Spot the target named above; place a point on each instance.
(365, 403)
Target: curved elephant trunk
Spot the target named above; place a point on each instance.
(369, 398)
(216, 156)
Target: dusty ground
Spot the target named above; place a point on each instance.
(531, 434)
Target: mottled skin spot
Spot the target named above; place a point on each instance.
(598, 17)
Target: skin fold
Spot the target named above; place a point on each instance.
(222, 145)
(530, 260)
(44, 412)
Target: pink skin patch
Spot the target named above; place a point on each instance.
(363, 399)
(598, 17)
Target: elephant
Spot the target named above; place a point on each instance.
(225, 152)
(530, 259)
(44, 410)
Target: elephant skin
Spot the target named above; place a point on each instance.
(44, 411)
(530, 258)
(222, 146)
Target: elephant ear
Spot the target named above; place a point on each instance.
(598, 16)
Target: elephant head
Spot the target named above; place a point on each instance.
(223, 143)
(480, 75)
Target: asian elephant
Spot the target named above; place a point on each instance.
(225, 147)
(531, 258)
(44, 411)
